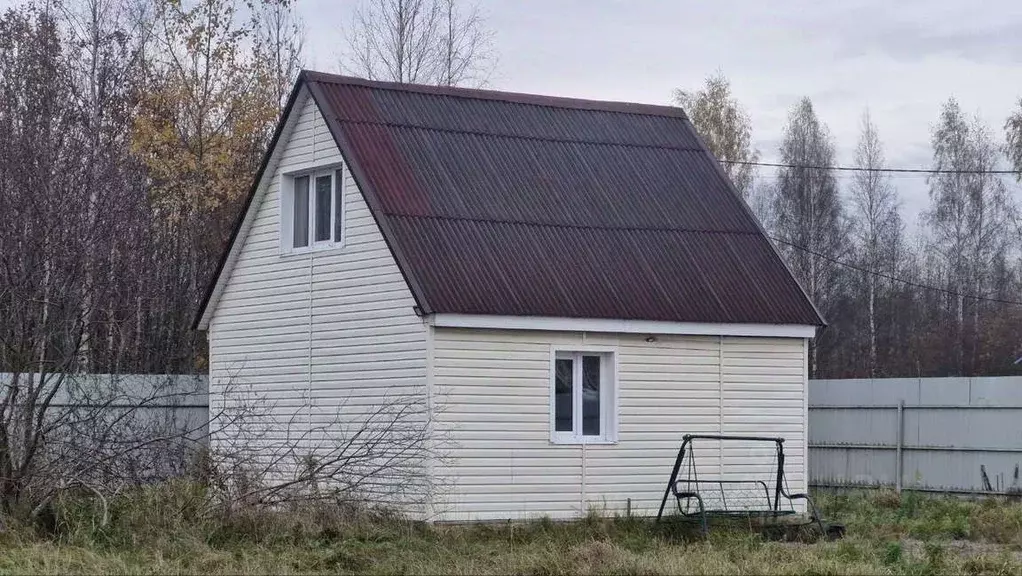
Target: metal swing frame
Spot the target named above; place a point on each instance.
(692, 486)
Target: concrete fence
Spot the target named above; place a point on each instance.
(959, 435)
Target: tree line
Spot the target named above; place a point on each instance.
(131, 132)
(132, 129)
(943, 301)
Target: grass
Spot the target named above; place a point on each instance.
(167, 530)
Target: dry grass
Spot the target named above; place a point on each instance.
(166, 530)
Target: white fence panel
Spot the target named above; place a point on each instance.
(147, 421)
(931, 434)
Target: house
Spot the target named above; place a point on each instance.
(568, 285)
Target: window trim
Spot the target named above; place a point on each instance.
(286, 208)
(609, 396)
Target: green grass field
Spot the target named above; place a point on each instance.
(166, 530)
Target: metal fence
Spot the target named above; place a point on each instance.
(959, 435)
(91, 412)
(182, 396)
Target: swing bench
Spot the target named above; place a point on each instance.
(762, 497)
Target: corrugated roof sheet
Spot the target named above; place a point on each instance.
(512, 204)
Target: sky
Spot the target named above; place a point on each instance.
(900, 59)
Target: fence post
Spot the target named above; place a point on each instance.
(901, 441)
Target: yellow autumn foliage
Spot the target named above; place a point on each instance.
(208, 109)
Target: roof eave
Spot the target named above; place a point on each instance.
(621, 326)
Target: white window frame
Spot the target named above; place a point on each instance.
(286, 209)
(608, 395)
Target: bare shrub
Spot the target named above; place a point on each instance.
(100, 433)
(265, 456)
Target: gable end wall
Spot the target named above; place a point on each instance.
(321, 339)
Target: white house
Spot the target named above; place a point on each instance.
(569, 286)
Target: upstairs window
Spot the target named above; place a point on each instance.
(583, 403)
(312, 211)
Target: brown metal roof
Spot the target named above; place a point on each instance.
(515, 204)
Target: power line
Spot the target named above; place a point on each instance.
(890, 277)
(846, 174)
(898, 176)
(861, 169)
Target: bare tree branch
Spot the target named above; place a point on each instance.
(419, 42)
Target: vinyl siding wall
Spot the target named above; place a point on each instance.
(321, 339)
(492, 395)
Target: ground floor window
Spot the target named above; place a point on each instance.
(583, 400)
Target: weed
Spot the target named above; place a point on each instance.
(167, 529)
(893, 553)
(886, 499)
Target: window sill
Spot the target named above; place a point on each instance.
(580, 442)
(312, 250)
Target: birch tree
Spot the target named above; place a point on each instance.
(1013, 137)
(102, 85)
(876, 227)
(807, 208)
(148, 118)
(725, 127)
(992, 213)
(440, 42)
(466, 51)
(967, 222)
(948, 215)
(68, 220)
(278, 46)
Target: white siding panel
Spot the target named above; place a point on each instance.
(324, 339)
(764, 395)
(492, 398)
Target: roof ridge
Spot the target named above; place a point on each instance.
(539, 224)
(525, 98)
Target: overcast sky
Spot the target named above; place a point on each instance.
(901, 59)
